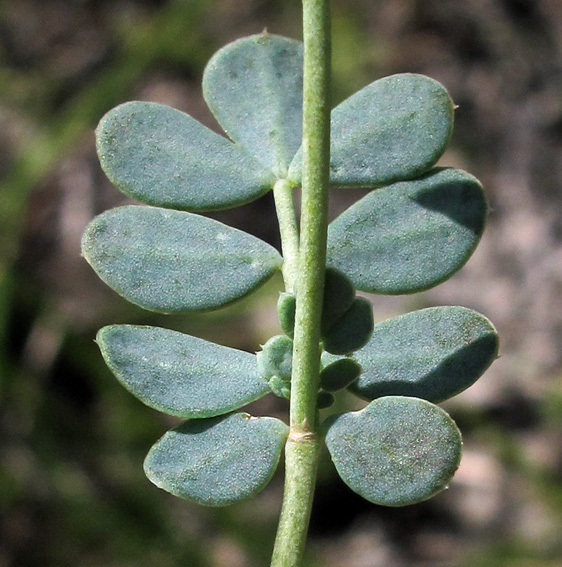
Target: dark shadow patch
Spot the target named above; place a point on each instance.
(460, 200)
(466, 365)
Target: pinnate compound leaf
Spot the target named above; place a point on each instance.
(432, 354)
(161, 156)
(395, 452)
(395, 128)
(411, 235)
(178, 374)
(217, 461)
(170, 261)
(253, 86)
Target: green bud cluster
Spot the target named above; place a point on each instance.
(336, 374)
(339, 295)
(275, 364)
(346, 326)
(280, 387)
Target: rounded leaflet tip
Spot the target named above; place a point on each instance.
(409, 236)
(431, 353)
(160, 156)
(265, 68)
(395, 128)
(178, 374)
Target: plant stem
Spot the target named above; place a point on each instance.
(314, 219)
(301, 463)
(302, 449)
(284, 205)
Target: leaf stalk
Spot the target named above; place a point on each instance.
(288, 227)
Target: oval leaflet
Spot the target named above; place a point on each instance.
(170, 261)
(217, 461)
(395, 452)
(178, 374)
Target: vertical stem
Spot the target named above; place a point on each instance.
(301, 463)
(314, 218)
(302, 450)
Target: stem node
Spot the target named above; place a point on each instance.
(300, 436)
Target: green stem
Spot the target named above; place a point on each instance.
(302, 448)
(301, 463)
(314, 218)
(284, 205)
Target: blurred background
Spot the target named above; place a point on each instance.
(72, 441)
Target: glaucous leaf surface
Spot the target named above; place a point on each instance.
(395, 128)
(411, 235)
(161, 156)
(431, 354)
(253, 86)
(395, 452)
(217, 461)
(170, 261)
(178, 374)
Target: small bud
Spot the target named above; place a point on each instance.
(276, 358)
(280, 388)
(286, 308)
